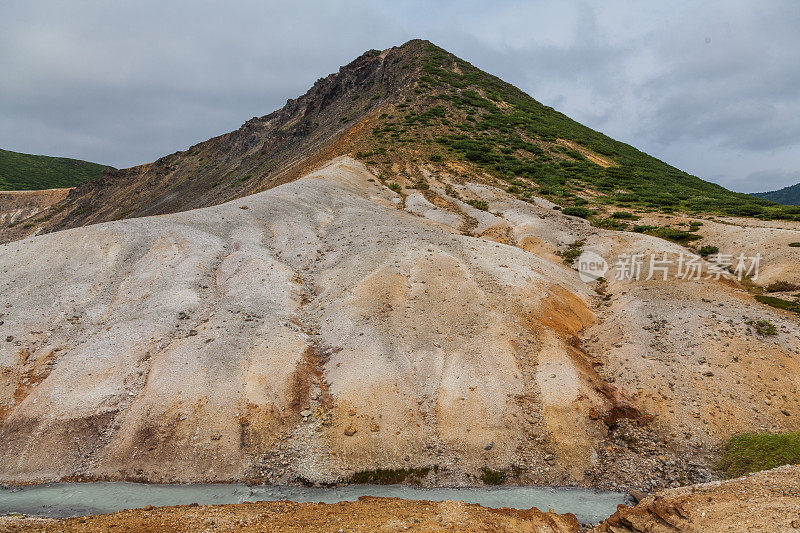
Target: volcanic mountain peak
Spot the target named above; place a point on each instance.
(406, 111)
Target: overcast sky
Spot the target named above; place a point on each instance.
(711, 87)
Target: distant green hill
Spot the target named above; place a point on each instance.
(788, 195)
(29, 172)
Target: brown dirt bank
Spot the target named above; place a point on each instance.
(766, 501)
(367, 514)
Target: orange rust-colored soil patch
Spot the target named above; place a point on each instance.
(367, 514)
(588, 154)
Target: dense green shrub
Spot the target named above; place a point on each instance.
(778, 303)
(707, 250)
(753, 452)
(577, 211)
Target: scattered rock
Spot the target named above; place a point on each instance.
(638, 495)
(350, 430)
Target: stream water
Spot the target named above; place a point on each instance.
(58, 500)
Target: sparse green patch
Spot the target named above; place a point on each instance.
(668, 233)
(781, 286)
(451, 192)
(763, 327)
(395, 187)
(479, 204)
(794, 244)
(573, 251)
(753, 452)
(390, 476)
(609, 223)
(492, 477)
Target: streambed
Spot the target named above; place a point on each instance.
(60, 500)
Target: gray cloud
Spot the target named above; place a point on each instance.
(768, 180)
(709, 87)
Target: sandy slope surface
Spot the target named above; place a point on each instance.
(771, 239)
(330, 325)
(748, 236)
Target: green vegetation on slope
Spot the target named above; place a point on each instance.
(779, 303)
(752, 452)
(29, 172)
(477, 117)
(788, 195)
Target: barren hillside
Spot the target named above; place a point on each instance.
(19, 206)
(331, 326)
